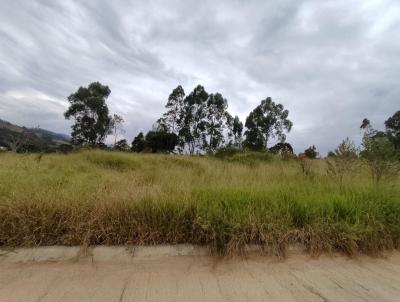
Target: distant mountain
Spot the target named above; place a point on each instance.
(30, 139)
(55, 136)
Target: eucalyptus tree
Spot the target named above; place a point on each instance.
(267, 120)
(138, 143)
(194, 120)
(237, 131)
(217, 120)
(200, 119)
(161, 141)
(393, 129)
(89, 110)
(171, 120)
(116, 125)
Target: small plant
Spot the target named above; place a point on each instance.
(305, 164)
(39, 157)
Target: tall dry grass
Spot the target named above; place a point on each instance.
(99, 197)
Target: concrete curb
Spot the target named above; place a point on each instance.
(113, 253)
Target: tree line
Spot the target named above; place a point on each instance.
(194, 123)
(199, 122)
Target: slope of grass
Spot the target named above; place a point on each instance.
(98, 197)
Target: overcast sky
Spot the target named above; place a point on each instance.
(331, 63)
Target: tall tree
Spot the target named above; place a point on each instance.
(370, 131)
(254, 138)
(393, 129)
(161, 141)
(267, 120)
(216, 120)
(138, 143)
(194, 119)
(170, 121)
(365, 124)
(89, 110)
(237, 130)
(116, 124)
(200, 120)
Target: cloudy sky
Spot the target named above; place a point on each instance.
(331, 62)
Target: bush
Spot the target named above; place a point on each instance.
(225, 152)
(138, 143)
(65, 148)
(251, 157)
(243, 156)
(161, 141)
(282, 148)
(381, 157)
(122, 145)
(311, 152)
(343, 161)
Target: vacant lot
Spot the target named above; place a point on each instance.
(97, 197)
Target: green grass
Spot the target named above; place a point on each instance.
(99, 197)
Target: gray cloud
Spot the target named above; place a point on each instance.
(331, 63)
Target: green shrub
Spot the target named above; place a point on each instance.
(226, 152)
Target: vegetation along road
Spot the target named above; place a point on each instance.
(114, 198)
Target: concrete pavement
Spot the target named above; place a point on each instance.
(185, 274)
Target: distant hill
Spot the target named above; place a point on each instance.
(29, 139)
(60, 137)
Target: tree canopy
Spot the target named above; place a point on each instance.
(161, 141)
(267, 120)
(380, 154)
(138, 143)
(200, 120)
(282, 148)
(122, 145)
(237, 131)
(172, 119)
(311, 152)
(89, 110)
(393, 129)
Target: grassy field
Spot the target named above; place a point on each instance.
(99, 197)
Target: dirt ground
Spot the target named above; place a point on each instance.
(168, 274)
